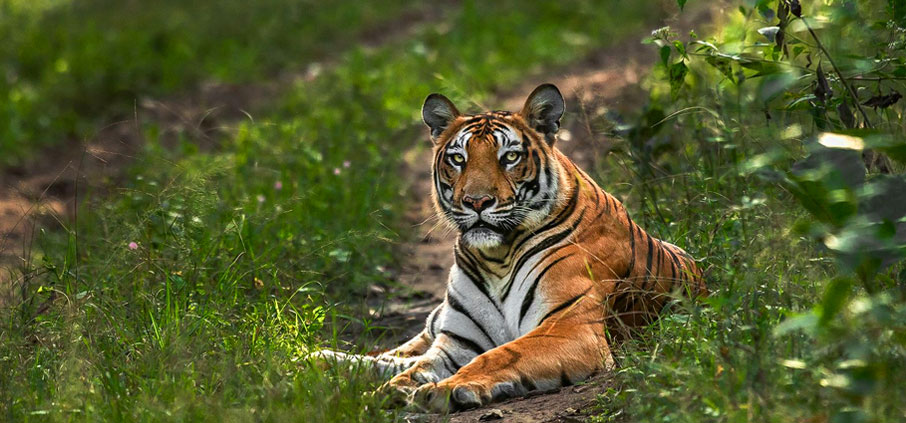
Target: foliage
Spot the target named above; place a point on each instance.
(788, 118)
(194, 293)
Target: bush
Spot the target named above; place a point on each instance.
(790, 130)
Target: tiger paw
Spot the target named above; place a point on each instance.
(445, 397)
(397, 391)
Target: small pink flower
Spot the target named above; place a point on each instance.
(278, 185)
(133, 245)
(347, 163)
(336, 171)
(260, 198)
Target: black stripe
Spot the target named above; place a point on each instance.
(464, 262)
(456, 365)
(431, 320)
(677, 263)
(591, 185)
(540, 262)
(541, 246)
(438, 160)
(466, 342)
(564, 305)
(547, 172)
(564, 379)
(650, 255)
(530, 294)
(534, 184)
(526, 382)
(672, 262)
(660, 259)
(451, 369)
(631, 246)
(457, 306)
(488, 258)
(472, 123)
(478, 264)
(653, 272)
(604, 207)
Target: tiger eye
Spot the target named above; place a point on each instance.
(512, 156)
(458, 158)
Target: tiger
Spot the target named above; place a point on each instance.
(545, 263)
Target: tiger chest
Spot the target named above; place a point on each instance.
(497, 309)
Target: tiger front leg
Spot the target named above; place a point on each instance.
(563, 350)
(386, 364)
(438, 363)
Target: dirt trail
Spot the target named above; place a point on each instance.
(43, 193)
(606, 79)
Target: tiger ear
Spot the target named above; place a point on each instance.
(543, 109)
(437, 112)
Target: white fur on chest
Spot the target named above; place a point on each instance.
(502, 319)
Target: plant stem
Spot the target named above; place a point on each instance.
(849, 89)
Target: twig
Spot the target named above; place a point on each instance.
(849, 89)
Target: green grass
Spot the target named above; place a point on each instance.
(233, 279)
(71, 66)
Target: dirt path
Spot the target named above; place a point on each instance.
(607, 79)
(44, 192)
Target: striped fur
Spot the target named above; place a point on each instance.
(539, 274)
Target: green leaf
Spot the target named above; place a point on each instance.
(680, 47)
(706, 45)
(678, 73)
(681, 4)
(665, 55)
(765, 11)
(806, 322)
(723, 65)
(835, 297)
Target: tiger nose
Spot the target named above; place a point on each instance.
(478, 203)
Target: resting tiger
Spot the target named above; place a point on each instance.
(545, 260)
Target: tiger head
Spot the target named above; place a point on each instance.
(495, 174)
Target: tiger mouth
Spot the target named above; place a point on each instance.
(479, 225)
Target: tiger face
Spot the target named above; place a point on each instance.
(494, 173)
